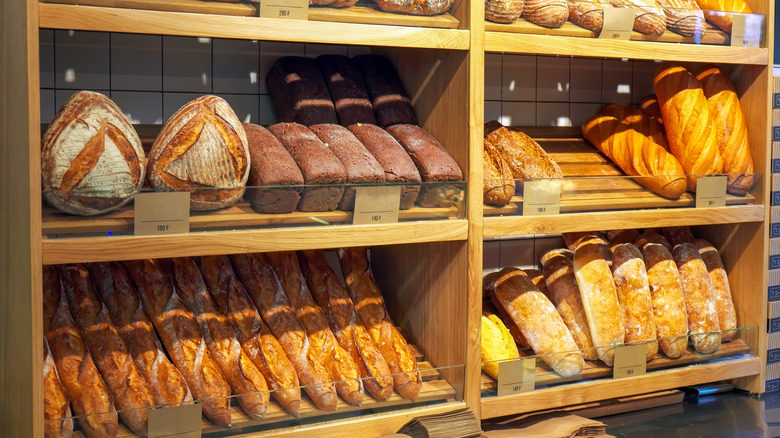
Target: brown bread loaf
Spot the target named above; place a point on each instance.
(684, 17)
(92, 160)
(271, 165)
(503, 11)
(391, 103)
(347, 89)
(652, 236)
(498, 185)
(57, 421)
(526, 159)
(416, 7)
(712, 11)
(677, 235)
(617, 237)
(650, 18)
(699, 294)
(179, 332)
(669, 313)
(573, 240)
(203, 149)
(727, 314)
(588, 14)
(299, 93)
(514, 331)
(547, 13)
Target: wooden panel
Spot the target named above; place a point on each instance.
(222, 26)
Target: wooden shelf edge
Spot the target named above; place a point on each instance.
(494, 226)
(649, 50)
(95, 249)
(95, 18)
(590, 391)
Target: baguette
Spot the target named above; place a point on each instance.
(266, 293)
(179, 332)
(538, 320)
(246, 382)
(684, 17)
(88, 394)
(638, 121)
(333, 298)
(262, 348)
(650, 18)
(727, 314)
(118, 294)
(669, 313)
(599, 298)
(547, 13)
(503, 11)
(372, 312)
(699, 295)
(129, 389)
(498, 185)
(562, 290)
(712, 11)
(57, 420)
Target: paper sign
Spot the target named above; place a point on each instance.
(292, 9)
(176, 421)
(376, 205)
(630, 361)
(618, 23)
(746, 30)
(162, 213)
(711, 191)
(516, 376)
(542, 197)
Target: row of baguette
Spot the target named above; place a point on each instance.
(230, 326)
(655, 288)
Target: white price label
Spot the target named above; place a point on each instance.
(516, 376)
(746, 30)
(711, 191)
(292, 9)
(630, 361)
(161, 213)
(618, 23)
(376, 205)
(542, 197)
(176, 421)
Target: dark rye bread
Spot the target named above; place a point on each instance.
(273, 171)
(323, 173)
(299, 92)
(432, 160)
(392, 105)
(347, 89)
(360, 165)
(396, 163)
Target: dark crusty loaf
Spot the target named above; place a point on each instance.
(347, 89)
(323, 173)
(299, 92)
(397, 164)
(432, 160)
(271, 165)
(360, 165)
(392, 105)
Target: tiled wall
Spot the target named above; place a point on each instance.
(519, 251)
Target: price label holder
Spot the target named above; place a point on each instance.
(291, 9)
(630, 361)
(161, 213)
(746, 30)
(176, 421)
(542, 197)
(516, 376)
(376, 205)
(618, 23)
(711, 191)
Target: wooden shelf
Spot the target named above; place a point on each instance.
(108, 19)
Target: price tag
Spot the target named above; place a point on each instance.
(176, 421)
(516, 376)
(746, 30)
(292, 9)
(162, 213)
(711, 191)
(630, 361)
(618, 23)
(376, 205)
(542, 197)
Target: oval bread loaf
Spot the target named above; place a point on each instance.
(669, 312)
(727, 314)
(699, 294)
(633, 291)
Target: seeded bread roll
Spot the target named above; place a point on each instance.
(271, 165)
(391, 103)
(669, 312)
(699, 295)
(299, 93)
(347, 89)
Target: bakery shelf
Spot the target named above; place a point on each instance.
(109, 19)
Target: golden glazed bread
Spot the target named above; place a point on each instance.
(712, 10)
(497, 344)
(503, 11)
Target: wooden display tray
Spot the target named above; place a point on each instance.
(592, 182)
(365, 12)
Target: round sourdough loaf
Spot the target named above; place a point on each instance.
(202, 148)
(91, 158)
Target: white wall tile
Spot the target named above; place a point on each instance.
(552, 114)
(315, 50)
(552, 79)
(492, 110)
(246, 106)
(48, 108)
(236, 66)
(187, 64)
(616, 81)
(518, 253)
(270, 51)
(493, 76)
(643, 72)
(81, 60)
(518, 78)
(579, 112)
(140, 106)
(491, 260)
(172, 102)
(136, 62)
(358, 50)
(46, 57)
(585, 80)
(518, 113)
(266, 110)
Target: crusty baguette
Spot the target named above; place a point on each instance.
(669, 314)
(730, 128)
(727, 314)
(179, 332)
(333, 298)
(246, 382)
(89, 396)
(372, 312)
(565, 295)
(650, 18)
(683, 17)
(118, 294)
(503, 11)
(538, 320)
(252, 333)
(633, 291)
(712, 11)
(547, 13)
(677, 235)
(599, 298)
(57, 420)
(266, 293)
(127, 386)
(652, 236)
(699, 295)
(498, 185)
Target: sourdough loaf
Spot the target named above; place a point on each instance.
(275, 180)
(588, 14)
(299, 93)
(526, 159)
(684, 17)
(650, 18)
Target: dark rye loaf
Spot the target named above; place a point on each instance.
(275, 180)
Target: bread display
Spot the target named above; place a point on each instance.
(299, 93)
(588, 14)
(498, 184)
(617, 237)
(677, 235)
(503, 11)
(92, 161)
(683, 17)
(712, 11)
(415, 7)
(391, 103)
(525, 158)
(347, 89)
(497, 344)
(202, 149)
(730, 127)
(275, 180)
(669, 312)
(57, 420)
(547, 13)
(727, 314)
(699, 295)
